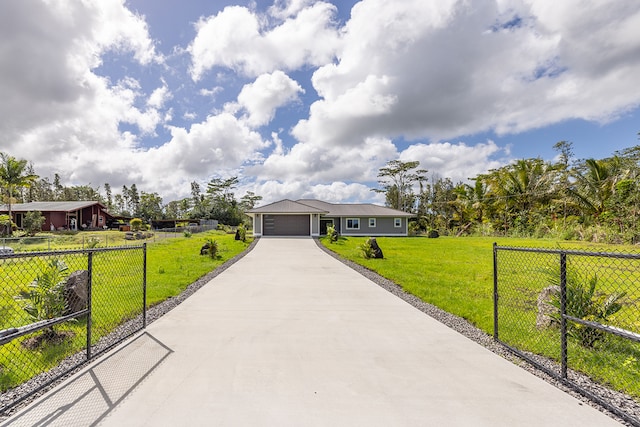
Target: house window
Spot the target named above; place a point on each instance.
(372, 223)
(100, 219)
(397, 222)
(353, 223)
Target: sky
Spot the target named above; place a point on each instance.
(309, 99)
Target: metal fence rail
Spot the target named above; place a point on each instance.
(568, 311)
(61, 308)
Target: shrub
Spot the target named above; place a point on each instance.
(44, 298)
(211, 247)
(136, 224)
(32, 222)
(187, 233)
(584, 303)
(332, 233)
(92, 242)
(366, 249)
(242, 233)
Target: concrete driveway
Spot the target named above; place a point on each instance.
(289, 336)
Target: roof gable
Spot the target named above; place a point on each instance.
(287, 206)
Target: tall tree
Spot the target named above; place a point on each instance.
(58, 189)
(13, 177)
(397, 179)
(595, 184)
(109, 199)
(134, 200)
(150, 206)
(249, 200)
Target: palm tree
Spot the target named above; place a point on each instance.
(13, 176)
(595, 184)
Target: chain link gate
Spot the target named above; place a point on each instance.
(60, 309)
(572, 311)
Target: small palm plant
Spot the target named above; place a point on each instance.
(332, 233)
(44, 299)
(366, 249)
(583, 302)
(211, 248)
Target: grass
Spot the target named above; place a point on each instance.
(172, 265)
(456, 275)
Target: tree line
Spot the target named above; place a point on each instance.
(586, 199)
(20, 184)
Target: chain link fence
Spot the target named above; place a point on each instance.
(573, 313)
(61, 309)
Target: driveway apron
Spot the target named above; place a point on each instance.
(289, 336)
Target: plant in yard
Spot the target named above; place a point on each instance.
(211, 247)
(242, 233)
(583, 302)
(5, 225)
(44, 298)
(136, 224)
(332, 233)
(187, 233)
(366, 249)
(93, 242)
(32, 222)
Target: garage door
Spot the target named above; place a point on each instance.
(287, 225)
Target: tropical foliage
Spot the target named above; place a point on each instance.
(590, 199)
(44, 297)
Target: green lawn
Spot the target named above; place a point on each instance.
(456, 275)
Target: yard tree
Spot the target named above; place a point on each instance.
(224, 206)
(13, 178)
(249, 200)
(32, 222)
(397, 179)
(109, 198)
(134, 200)
(150, 206)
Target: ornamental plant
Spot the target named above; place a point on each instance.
(44, 297)
(583, 302)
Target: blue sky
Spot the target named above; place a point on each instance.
(305, 98)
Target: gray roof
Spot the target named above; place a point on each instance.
(328, 209)
(354, 209)
(287, 207)
(50, 206)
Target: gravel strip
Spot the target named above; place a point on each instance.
(623, 402)
(123, 332)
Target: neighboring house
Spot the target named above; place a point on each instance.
(63, 215)
(308, 217)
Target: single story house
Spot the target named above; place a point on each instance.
(309, 217)
(63, 215)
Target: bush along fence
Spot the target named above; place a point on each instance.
(58, 310)
(573, 314)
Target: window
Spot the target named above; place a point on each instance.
(353, 223)
(372, 223)
(100, 219)
(397, 222)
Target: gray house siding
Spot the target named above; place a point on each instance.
(384, 226)
(257, 224)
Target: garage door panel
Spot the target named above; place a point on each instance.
(287, 225)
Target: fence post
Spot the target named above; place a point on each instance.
(89, 303)
(144, 285)
(495, 291)
(563, 312)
